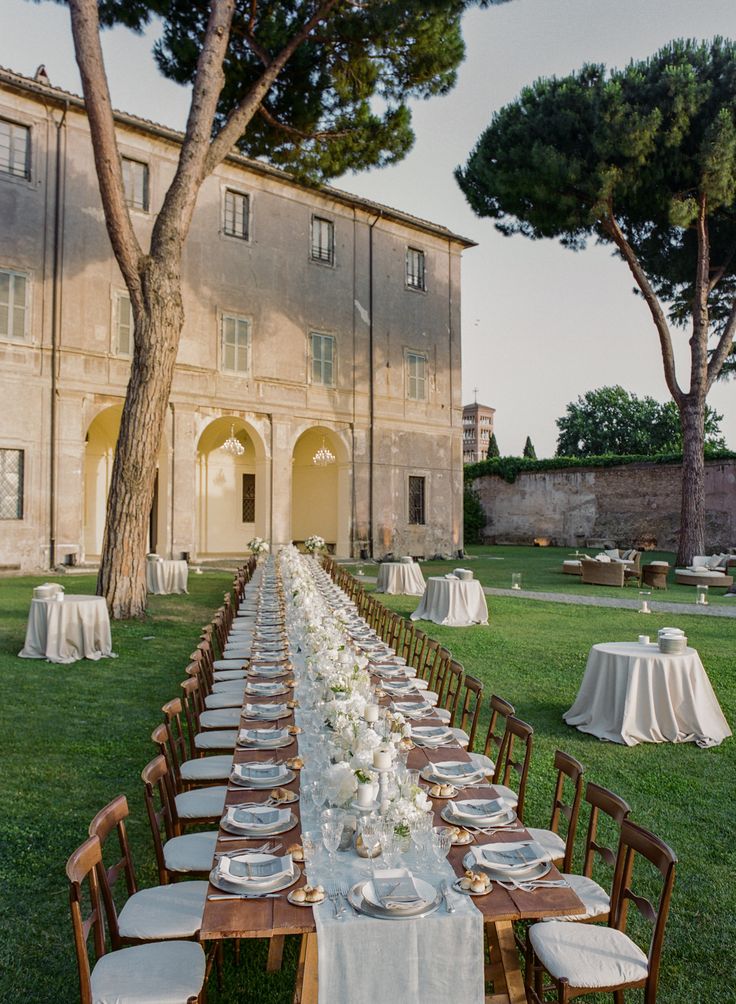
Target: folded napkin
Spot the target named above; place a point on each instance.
(263, 820)
(265, 711)
(262, 737)
(516, 856)
(395, 888)
(260, 771)
(450, 576)
(264, 689)
(456, 771)
(413, 709)
(254, 870)
(479, 811)
(431, 735)
(399, 686)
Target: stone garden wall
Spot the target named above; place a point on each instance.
(633, 505)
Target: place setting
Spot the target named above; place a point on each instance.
(260, 776)
(273, 738)
(257, 820)
(253, 875)
(433, 736)
(479, 814)
(265, 712)
(394, 894)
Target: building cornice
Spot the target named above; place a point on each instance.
(47, 94)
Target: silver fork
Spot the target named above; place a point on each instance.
(333, 894)
(343, 890)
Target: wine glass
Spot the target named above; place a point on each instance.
(309, 846)
(332, 826)
(370, 831)
(441, 843)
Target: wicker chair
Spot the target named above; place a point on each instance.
(602, 573)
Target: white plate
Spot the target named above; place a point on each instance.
(537, 871)
(434, 772)
(264, 689)
(286, 880)
(504, 819)
(364, 904)
(265, 780)
(265, 712)
(295, 903)
(469, 892)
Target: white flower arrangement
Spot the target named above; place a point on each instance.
(341, 784)
(258, 546)
(314, 543)
(405, 811)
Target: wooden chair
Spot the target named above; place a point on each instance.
(500, 711)
(469, 707)
(518, 736)
(569, 774)
(449, 696)
(583, 959)
(142, 972)
(193, 806)
(159, 913)
(177, 854)
(207, 741)
(186, 765)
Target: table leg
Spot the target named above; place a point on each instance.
(275, 953)
(504, 970)
(306, 990)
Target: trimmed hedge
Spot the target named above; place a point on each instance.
(509, 468)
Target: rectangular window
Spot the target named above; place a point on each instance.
(323, 359)
(415, 272)
(323, 240)
(249, 498)
(15, 149)
(135, 184)
(416, 500)
(13, 304)
(236, 214)
(416, 376)
(123, 325)
(11, 484)
(235, 344)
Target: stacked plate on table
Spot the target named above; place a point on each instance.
(265, 712)
(265, 688)
(672, 641)
(270, 669)
(479, 812)
(415, 710)
(394, 894)
(458, 772)
(519, 861)
(393, 671)
(253, 821)
(267, 739)
(399, 687)
(432, 736)
(261, 775)
(252, 874)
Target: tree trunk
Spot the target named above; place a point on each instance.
(692, 512)
(122, 579)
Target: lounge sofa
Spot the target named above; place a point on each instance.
(707, 570)
(600, 573)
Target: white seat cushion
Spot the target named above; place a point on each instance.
(225, 686)
(165, 911)
(219, 740)
(443, 714)
(549, 841)
(222, 718)
(481, 760)
(462, 737)
(202, 802)
(229, 665)
(191, 853)
(206, 768)
(237, 651)
(166, 973)
(597, 901)
(230, 698)
(587, 955)
(508, 793)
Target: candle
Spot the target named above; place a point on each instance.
(643, 639)
(370, 713)
(382, 758)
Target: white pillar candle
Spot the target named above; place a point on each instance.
(370, 713)
(382, 759)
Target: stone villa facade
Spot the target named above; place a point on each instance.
(312, 317)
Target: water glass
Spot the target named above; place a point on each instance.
(310, 842)
(332, 823)
(370, 831)
(441, 843)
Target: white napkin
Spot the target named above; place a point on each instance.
(395, 888)
(255, 870)
(480, 813)
(260, 771)
(456, 771)
(518, 855)
(431, 735)
(262, 820)
(262, 737)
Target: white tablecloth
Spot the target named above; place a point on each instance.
(77, 627)
(454, 602)
(165, 577)
(633, 693)
(401, 578)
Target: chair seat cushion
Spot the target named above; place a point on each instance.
(191, 853)
(508, 793)
(166, 973)
(165, 911)
(443, 714)
(224, 739)
(229, 666)
(462, 737)
(481, 760)
(550, 841)
(232, 697)
(207, 768)
(587, 955)
(237, 651)
(202, 803)
(221, 718)
(223, 686)
(597, 901)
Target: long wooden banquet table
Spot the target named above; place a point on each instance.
(275, 918)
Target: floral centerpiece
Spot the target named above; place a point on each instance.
(258, 546)
(314, 543)
(406, 810)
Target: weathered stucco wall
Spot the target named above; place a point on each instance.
(638, 504)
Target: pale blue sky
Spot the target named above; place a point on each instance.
(541, 325)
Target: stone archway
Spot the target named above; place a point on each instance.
(232, 491)
(99, 450)
(320, 496)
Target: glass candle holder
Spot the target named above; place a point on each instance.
(644, 595)
(701, 596)
(516, 580)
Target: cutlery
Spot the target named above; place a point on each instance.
(531, 886)
(444, 889)
(263, 849)
(228, 839)
(344, 893)
(244, 895)
(333, 895)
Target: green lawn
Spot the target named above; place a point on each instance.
(541, 569)
(78, 735)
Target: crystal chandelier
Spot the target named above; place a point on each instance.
(323, 456)
(233, 445)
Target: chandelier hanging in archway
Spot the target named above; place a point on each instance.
(233, 445)
(323, 456)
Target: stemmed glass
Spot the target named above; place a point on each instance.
(370, 831)
(441, 842)
(422, 836)
(332, 825)
(389, 843)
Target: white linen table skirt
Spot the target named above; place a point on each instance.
(164, 577)
(400, 578)
(454, 602)
(634, 693)
(77, 627)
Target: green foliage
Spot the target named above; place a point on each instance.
(529, 450)
(342, 101)
(610, 420)
(493, 450)
(509, 468)
(474, 517)
(640, 144)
